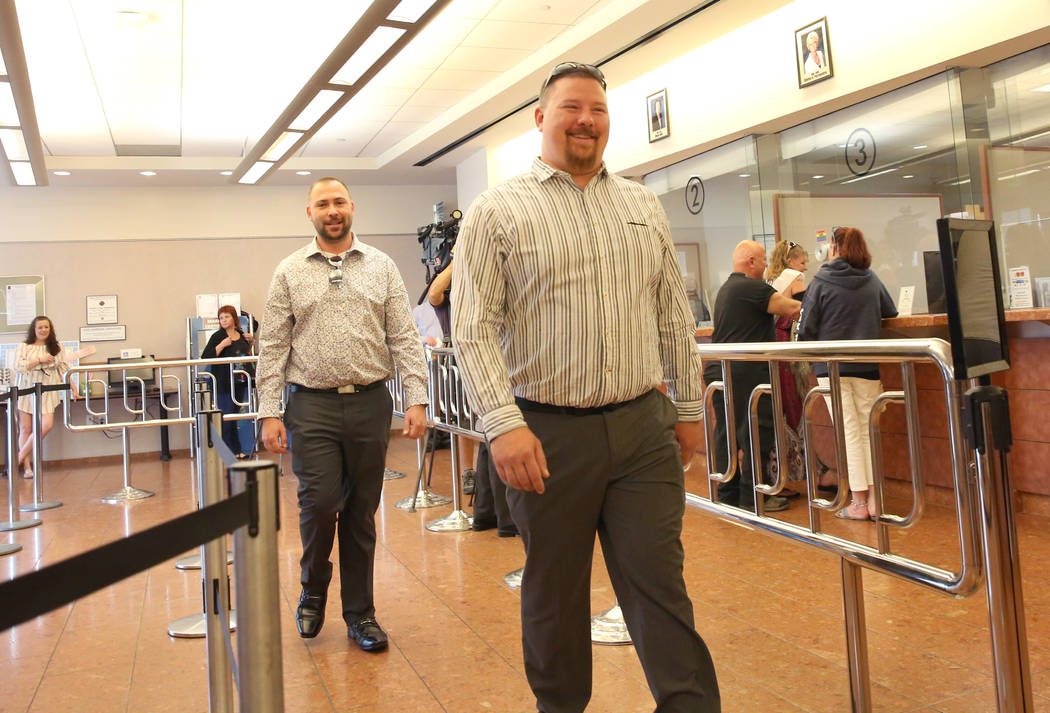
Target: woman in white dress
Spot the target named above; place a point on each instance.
(40, 359)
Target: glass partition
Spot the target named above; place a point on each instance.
(708, 201)
(1016, 168)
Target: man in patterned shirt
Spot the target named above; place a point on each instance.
(570, 314)
(337, 321)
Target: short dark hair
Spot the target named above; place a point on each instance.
(569, 69)
(326, 179)
(852, 247)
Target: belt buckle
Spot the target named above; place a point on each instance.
(347, 389)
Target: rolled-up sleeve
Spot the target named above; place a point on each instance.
(478, 299)
(403, 340)
(275, 343)
(682, 367)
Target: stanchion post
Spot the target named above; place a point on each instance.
(38, 458)
(260, 688)
(988, 429)
(856, 637)
(216, 582)
(13, 523)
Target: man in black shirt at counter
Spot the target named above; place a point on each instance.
(744, 310)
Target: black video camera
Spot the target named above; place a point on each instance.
(437, 240)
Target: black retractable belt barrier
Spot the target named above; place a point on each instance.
(39, 592)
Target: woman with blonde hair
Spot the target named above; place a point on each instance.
(848, 301)
(785, 273)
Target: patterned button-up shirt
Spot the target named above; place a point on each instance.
(322, 334)
(570, 297)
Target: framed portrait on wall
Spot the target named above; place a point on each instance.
(813, 53)
(659, 123)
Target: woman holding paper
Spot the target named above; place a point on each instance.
(848, 301)
(40, 359)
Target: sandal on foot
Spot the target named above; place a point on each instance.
(844, 513)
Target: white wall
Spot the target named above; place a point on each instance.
(472, 178)
(121, 213)
(738, 77)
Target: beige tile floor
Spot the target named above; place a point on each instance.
(769, 610)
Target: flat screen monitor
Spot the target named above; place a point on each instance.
(116, 376)
(973, 296)
(934, 282)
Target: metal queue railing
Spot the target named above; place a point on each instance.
(168, 384)
(423, 497)
(983, 539)
(250, 512)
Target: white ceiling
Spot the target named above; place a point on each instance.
(186, 87)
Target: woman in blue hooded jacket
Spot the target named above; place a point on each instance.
(846, 300)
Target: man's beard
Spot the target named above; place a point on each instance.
(580, 160)
(323, 234)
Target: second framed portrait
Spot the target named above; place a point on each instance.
(659, 122)
(813, 53)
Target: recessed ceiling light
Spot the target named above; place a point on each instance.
(225, 173)
(61, 173)
(302, 173)
(907, 175)
(744, 175)
(920, 146)
(147, 173)
(818, 176)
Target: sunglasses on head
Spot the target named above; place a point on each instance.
(560, 70)
(792, 246)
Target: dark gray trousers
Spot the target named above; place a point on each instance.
(618, 474)
(339, 444)
(740, 490)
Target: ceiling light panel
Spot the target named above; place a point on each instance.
(281, 146)
(136, 61)
(14, 145)
(366, 55)
(315, 110)
(225, 111)
(8, 112)
(23, 172)
(254, 173)
(68, 110)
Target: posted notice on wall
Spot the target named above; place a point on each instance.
(101, 309)
(21, 304)
(1020, 288)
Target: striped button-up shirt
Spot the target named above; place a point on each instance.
(570, 297)
(322, 334)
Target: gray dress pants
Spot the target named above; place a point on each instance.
(339, 444)
(619, 474)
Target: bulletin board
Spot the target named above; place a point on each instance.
(17, 325)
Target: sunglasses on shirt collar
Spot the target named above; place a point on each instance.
(560, 70)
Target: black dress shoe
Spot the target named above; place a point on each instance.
(368, 635)
(508, 531)
(480, 524)
(309, 617)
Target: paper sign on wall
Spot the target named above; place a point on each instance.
(1020, 288)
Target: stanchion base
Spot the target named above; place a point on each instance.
(609, 628)
(18, 524)
(455, 521)
(7, 549)
(391, 474)
(423, 499)
(513, 579)
(194, 626)
(194, 561)
(40, 506)
(125, 494)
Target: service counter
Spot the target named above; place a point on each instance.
(1027, 381)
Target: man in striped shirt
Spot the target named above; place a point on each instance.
(570, 313)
